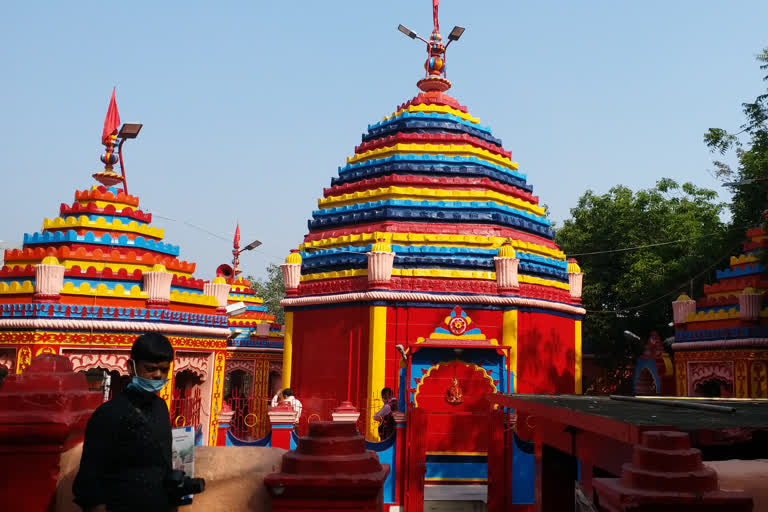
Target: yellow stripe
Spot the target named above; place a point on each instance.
(509, 339)
(101, 223)
(102, 290)
(415, 239)
(428, 194)
(577, 371)
(287, 349)
(441, 109)
(100, 265)
(433, 272)
(17, 287)
(376, 361)
(441, 149)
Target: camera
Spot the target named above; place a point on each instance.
(179, 487)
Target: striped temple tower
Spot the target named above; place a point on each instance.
(430, 268)
(100, 274)
(721, 339)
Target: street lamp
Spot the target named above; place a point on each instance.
(127, 131)
(236, 252)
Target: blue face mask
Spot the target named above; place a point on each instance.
(149, 385)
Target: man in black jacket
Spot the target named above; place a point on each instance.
(127, 449)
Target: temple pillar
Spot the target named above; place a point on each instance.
(292, 273)
(401, 450)
(750, 304)
(380, 261)
(157, 285)
(575, 279)
(219, 289)
(43, 414)
(287, 350)
(225, 419)
(350, 479)
(506, 264)
(282, 418)
(49, 278)
(509, 341)
(376, 365)
(681, 308)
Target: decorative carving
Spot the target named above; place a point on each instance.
(24, 359)
(195, 363)
(454, 395)
(699, 372)
(276, 366)
(680, 369)
(741, 379)
(758, 380)
(112, 361)
(246, 365)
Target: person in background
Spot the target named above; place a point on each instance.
(276, 399)
(384, 415)
(294, 402)
(127, 449)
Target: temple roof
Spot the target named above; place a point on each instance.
(731, 308)
(438, 187)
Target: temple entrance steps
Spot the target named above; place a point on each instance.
(455, 498)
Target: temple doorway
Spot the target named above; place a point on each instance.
(714, 387)
(187, 397)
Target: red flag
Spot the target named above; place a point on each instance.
(237, 235)
(112, 121)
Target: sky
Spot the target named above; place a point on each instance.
(249, 108)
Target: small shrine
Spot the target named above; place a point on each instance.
(254, 351)
(430, 268)
(100, 274)
(721, 339)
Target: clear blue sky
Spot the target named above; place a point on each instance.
(250, 107)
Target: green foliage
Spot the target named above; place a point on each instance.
(750, 145)
(271, 290)
(632, 289)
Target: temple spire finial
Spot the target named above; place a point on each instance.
(108, 176)
(435, 80)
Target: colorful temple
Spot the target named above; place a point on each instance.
(254, 352)
(721, 340)
(430, 268)
(100, 274)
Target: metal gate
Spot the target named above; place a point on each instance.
(185, 407)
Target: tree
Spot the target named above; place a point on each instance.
(271, 290)
(638, 251)
(750, 144)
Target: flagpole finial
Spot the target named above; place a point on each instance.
(108, 177)
(436, 80)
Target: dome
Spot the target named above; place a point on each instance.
(442, 190)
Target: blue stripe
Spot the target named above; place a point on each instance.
(435, 159)
(429, 116)
(444, 169)
(429, 126)
(106, 239)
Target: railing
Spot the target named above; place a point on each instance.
(185, 407)
(250, 419)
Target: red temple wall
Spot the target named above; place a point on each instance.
(545, 353)
(320, 366)
(406, 324)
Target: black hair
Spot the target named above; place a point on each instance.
(287, 392)
(152, 347)
(386, 393)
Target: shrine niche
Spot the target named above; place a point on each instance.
(191, 363)
(454, 386)
(83, 361)
(704, 377)
(758, 380)
(8, 359)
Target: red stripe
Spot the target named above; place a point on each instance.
(431, 138)
(434, 182)
(432, 98)
(431, 228)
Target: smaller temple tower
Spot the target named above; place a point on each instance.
(721, 339)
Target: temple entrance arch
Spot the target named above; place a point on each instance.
(646, 383)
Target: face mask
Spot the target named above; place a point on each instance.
(148, 385)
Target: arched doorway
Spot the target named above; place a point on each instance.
(714, 387)
(646, 383)
(187, 397)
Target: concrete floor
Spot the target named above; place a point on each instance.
(455, 498)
